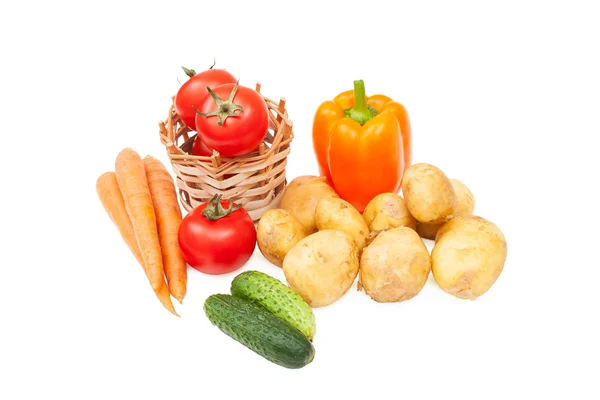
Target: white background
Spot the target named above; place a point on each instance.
(502, 95)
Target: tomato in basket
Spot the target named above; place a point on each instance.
(193, 91)
(199, 148)
(233, 120)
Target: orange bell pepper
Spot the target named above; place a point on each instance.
(363, 144)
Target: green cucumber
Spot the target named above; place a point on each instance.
(276, 297)
(259, 330)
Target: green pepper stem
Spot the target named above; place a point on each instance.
(361, 112)
(360, 96)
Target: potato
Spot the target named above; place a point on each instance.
(277, 232)
(336, 213)
(465, 224)
(427, 231)
(428, 194)
(322, 266)
(301, 196)
(465, 204)
(395, 266)
(387, 211)
(468, 256)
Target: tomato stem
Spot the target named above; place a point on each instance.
(225, 109)
(189, 72)
(361, 112)
(215, 211)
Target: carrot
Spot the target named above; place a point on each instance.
(131, 177)
(168, 217)
(112, 201)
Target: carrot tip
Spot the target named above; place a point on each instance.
(172, 310)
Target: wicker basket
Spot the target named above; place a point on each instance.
(255, 180)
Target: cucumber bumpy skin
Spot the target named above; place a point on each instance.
(262, 332)
(276, 297)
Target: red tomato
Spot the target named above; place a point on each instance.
(217, 246)
(233, 125)
(193, 91)
(199, 148)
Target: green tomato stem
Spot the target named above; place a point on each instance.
(189, 72)
(215, 211)
(225, 109)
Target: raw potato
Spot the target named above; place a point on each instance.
(468, 256)
(428, 231)
(336, 213)
(465, 204)
(301, 196)
(395, 266)
(387, 211)
(322, 267)
(277, 232)
(465, 224)
(428, 193)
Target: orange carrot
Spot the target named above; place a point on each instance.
(168, 217)
(112, 201)
(131, 177)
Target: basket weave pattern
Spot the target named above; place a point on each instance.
(256, 180)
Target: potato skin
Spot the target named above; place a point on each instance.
(428, 194)
(427, 231)
(465, 201)
(277, 232)
(465, 224)
(335, 213)
(395, 266)
(386, 211)
(300, 198)
(465, 204)
(468, 256)
(322, 266)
